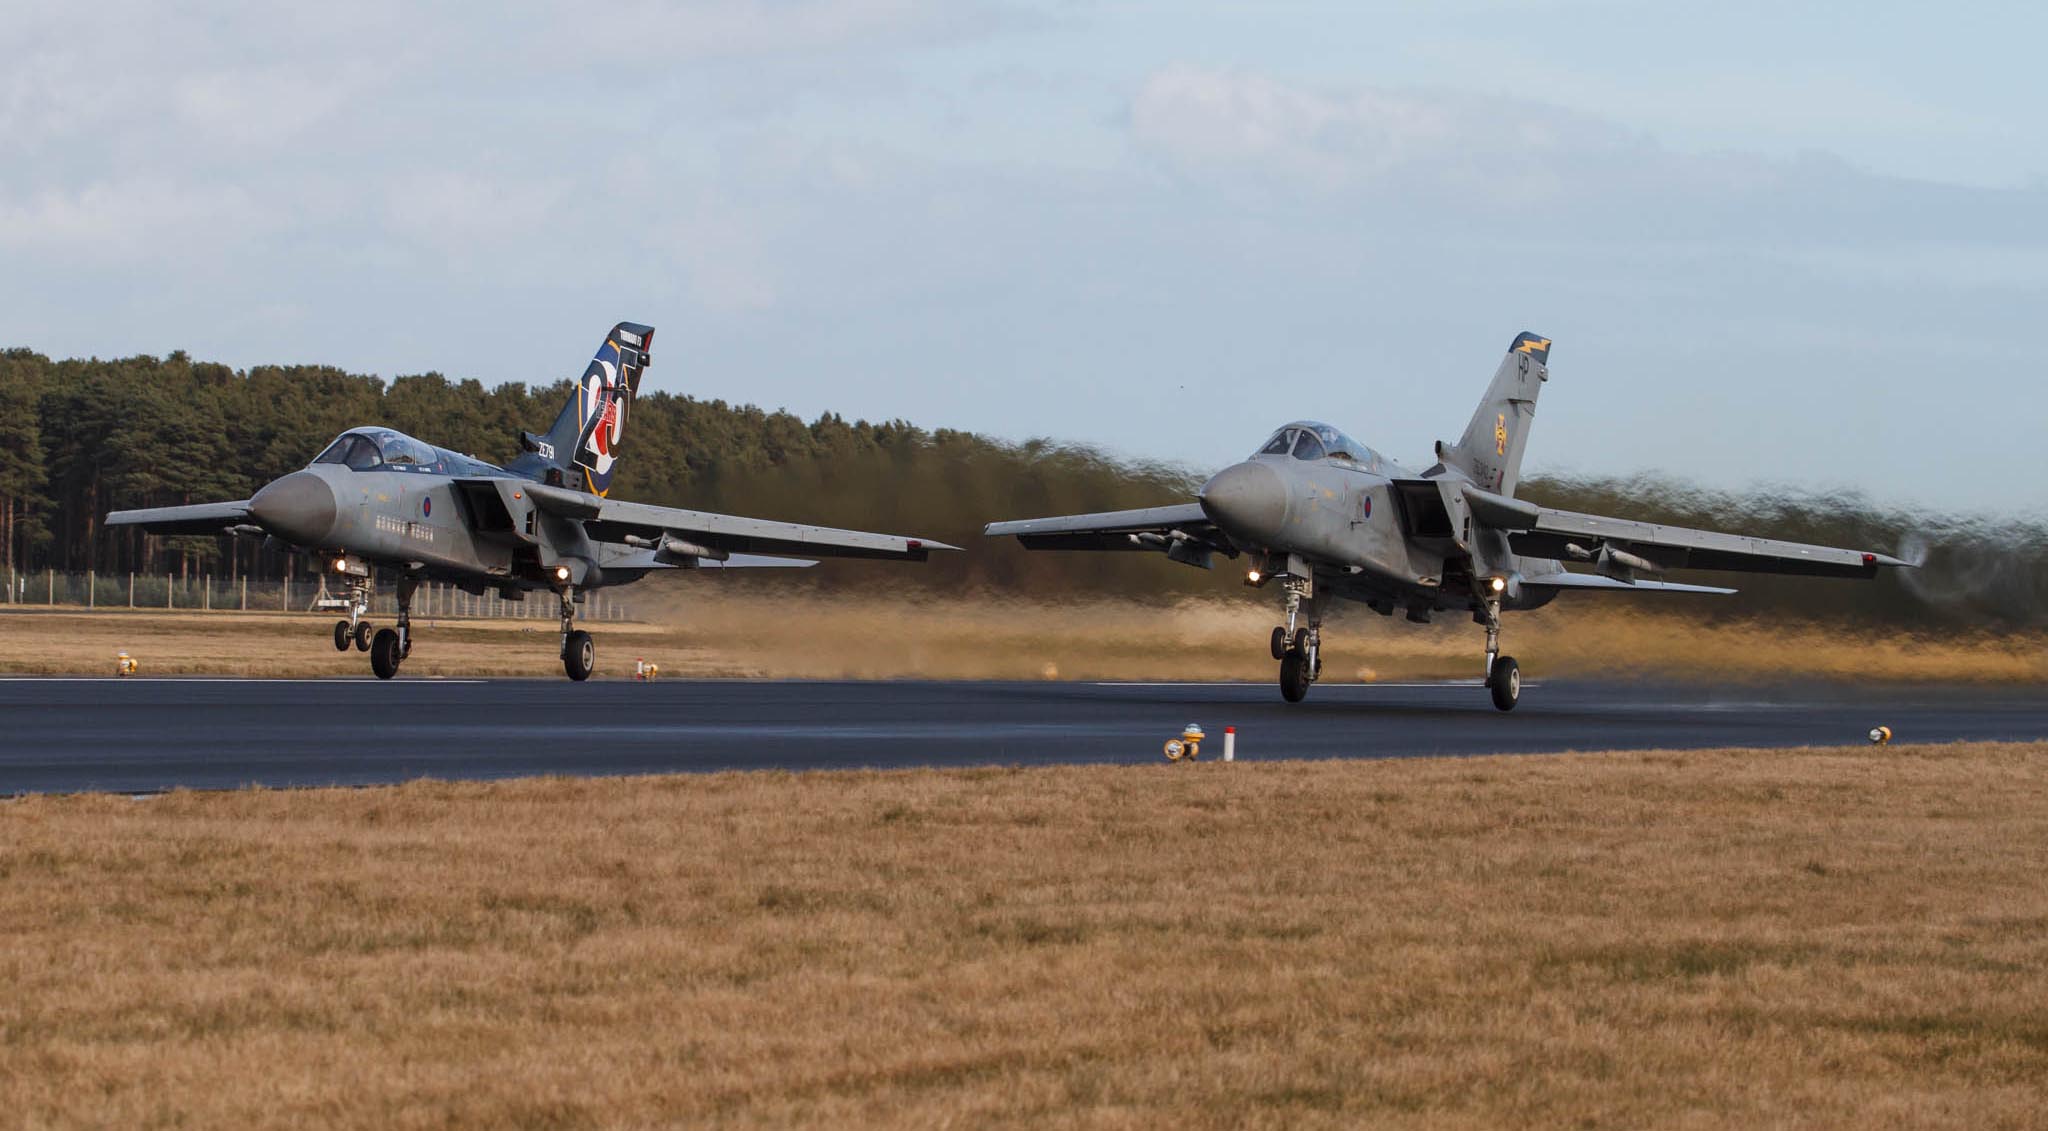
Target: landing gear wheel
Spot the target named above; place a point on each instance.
(363, 631)
(1279, 641)
(1294, 676)
(1300, 641)
(579, 655)
(1505, 682)
(341, 636)
(384, 655)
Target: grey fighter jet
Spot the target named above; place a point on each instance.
(1324, 516)
(378, 501)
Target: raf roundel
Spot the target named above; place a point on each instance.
(426, 508)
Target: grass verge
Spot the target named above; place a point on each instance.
(1706, 939)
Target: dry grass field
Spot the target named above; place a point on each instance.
(1804, 938)
(723, 632)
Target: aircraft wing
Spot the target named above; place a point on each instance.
(1144, 529)
(1543, 532)
(200, 518)
(610, 520)
(626, 557)
(1562, 580)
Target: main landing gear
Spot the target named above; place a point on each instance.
(1503, 675)
(579, 652)
(1298, 648)
(390, 647)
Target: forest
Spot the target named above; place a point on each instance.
(79, 438)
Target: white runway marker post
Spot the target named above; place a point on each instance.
(1230, 744)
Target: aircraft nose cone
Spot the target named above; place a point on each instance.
(1248, 499)
(297, 508)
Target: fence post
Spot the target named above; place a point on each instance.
(51, 597)
(92, 577)
(207, 580)
(168, 591)
(245, 592)
(131, 588)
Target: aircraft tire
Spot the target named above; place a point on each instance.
(1505, 682)
(1279, 641)
(1294, 676)
(579, 656)
(384, 655)
(363, 636)
(341, 636)
(1300, 641)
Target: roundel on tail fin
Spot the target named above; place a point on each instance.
(605, 393)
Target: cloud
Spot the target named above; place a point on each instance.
(679, 30)
(1454, 160)
(460, 212)
(1366, 140)
(265, 105)
(142, 217)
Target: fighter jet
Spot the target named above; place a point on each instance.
(1323, 516)
(378, 502)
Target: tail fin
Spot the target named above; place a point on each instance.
(581, 449)
(1491, 450)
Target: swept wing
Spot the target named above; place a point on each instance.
(1112, 530)
(612, 520)
(1549, 533)
(200, 518)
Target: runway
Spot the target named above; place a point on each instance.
(140, 735)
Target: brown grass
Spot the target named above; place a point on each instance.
(708, 632)
(1707, 939)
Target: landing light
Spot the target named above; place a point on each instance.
(1252, 577)
(341, 565)
(1498, 584)
(561, 573)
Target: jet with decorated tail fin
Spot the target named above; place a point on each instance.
(377, 502)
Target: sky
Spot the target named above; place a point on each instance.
(1773, 244)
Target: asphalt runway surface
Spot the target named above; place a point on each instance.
(139, 735)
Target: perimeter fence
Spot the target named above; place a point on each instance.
(207, 593)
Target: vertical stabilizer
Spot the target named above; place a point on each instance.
(581, 450)
(1491, 450)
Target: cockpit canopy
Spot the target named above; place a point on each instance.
(1309, 440)
(386, 449)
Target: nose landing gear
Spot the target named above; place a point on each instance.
(1299, 649)
(355, 630)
